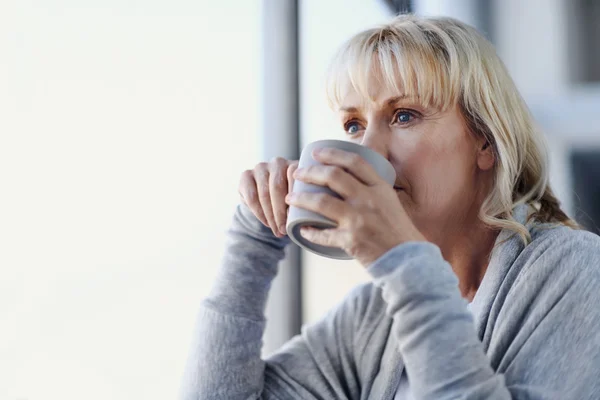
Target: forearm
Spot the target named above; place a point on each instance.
(444, 358)
(225, 358)
(248, 267)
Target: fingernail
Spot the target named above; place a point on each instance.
(290, 196)
(283, 230)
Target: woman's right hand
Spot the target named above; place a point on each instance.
(263, 190)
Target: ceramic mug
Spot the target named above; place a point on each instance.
(298, 217)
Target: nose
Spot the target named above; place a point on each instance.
(376, 140)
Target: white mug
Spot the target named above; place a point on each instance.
(299, 217)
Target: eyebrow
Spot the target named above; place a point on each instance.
(388, 103)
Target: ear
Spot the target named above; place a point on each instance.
(485, 155)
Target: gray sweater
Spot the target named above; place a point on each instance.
(535, 335)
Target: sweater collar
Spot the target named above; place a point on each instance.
(506, 250)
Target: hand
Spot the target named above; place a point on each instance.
(263, 190)
(370, 217)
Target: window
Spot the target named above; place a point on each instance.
(585, 165)
(584, 46)
(125, 127)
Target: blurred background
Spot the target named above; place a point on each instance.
(125, 125)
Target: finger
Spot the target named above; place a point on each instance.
(321, 203)
(278, 189)
(249, 196)
(290, 174)
(333, 177)
(351, 162)
(261, 174)
(332, 237)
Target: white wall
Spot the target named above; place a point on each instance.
(123, 129)
(325, 25)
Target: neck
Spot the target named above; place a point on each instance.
(468, 250)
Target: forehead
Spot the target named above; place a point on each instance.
(374, 92)
(371, 76)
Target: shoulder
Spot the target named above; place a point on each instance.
(549, 322)
(560, 259)
(549, 233)
(565, 245)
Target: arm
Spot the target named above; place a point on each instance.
(549, 351)
(225, 355)
(225, 361)
(443, 357)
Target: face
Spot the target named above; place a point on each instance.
(443, 170)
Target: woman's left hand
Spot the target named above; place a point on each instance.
(370, 217)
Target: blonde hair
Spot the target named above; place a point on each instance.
(443, 62)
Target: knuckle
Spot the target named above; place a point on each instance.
(247, 175)
(322, 201)
(280, 182)
(364, 203)
(261, 168)
(369, 203)
(334, 173)
(292, 167)
(355, 158)
(278, 161)
(358, 223)
(261, 174)
(358, 161)
(327, 151)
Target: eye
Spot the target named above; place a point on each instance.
(403, 117)
(352, 127)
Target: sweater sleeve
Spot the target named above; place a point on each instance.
(225, 360)
(550, 348)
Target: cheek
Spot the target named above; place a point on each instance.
(438, 174)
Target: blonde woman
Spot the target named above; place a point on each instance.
(482, 287)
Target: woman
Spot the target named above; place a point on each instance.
(482, 287)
